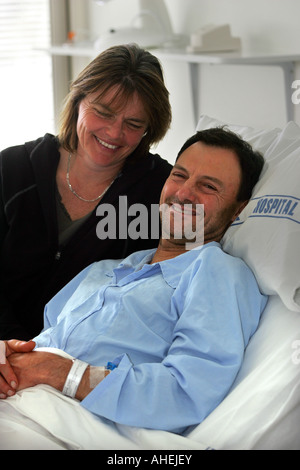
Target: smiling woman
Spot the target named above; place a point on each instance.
(106, 134)
(116, 109)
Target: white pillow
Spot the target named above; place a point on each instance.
(267, 233)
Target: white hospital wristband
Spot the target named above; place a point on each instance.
(74, 378)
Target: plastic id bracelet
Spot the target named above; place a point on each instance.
(74, 378)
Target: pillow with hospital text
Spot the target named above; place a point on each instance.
(266, 235)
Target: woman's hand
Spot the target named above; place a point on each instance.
(8, 378)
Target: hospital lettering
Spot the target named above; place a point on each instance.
(276, 206)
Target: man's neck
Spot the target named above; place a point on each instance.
(167, 251)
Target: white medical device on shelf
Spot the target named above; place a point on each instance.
(155, 30)
(213, 38)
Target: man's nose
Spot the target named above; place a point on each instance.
(187, 193)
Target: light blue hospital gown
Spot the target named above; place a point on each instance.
(177, 330)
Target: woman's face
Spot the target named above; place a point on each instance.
(106, 135)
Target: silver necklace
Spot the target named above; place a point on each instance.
(74, 192)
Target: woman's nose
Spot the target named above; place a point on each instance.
(114, 129)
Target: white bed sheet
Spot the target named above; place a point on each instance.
(40, 418)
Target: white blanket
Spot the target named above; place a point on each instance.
(42, 418)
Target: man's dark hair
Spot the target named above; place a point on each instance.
(251, 161)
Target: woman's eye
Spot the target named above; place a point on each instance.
(104, 115)
(134, 126)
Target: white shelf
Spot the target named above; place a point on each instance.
(182, 55)
(73, 51)
(285, 62)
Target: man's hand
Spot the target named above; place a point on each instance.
(25, 368)
(8, 379)
(39, 367)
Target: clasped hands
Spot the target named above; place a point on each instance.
(21, 367)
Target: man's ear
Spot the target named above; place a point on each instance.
(240, 208)
(236, 213)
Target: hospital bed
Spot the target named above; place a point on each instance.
(262, 410)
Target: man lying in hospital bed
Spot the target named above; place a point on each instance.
(172, 323)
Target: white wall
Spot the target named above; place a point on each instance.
(236, 94)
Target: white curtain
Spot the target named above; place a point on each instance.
(26, 89)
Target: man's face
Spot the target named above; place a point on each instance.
(204, 175)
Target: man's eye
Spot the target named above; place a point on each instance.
(210, 187)
(178, 175)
